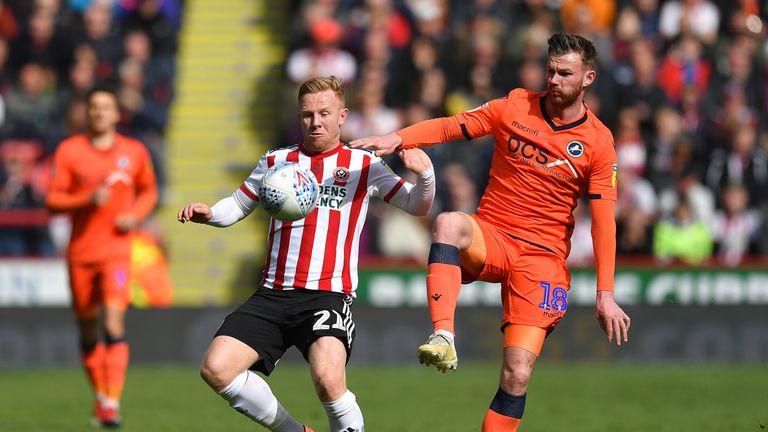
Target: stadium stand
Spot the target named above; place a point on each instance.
(205, 86)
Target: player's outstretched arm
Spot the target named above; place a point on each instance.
(612, 319)
(195, 212)
(382, 144)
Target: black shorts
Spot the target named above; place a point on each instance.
(272, 321)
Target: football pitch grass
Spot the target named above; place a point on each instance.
(562, 397)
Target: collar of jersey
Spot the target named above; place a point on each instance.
(555, 127)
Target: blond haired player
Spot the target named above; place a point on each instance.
(310, 276)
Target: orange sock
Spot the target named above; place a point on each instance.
(505, 412)
(93, 362)
(495, 422)
(116, 366)
(443, 285)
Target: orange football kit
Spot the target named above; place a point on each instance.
(522, 229)
(99, 255)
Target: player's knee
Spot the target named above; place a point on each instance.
(515, 380)
(216, 373)
(114, 327)
(448, 228)
(329, 386)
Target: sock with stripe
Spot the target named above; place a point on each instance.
(250, 395)
(505, 413)
(115, 367)
(92, 355)
(443, 285)
(344, 414)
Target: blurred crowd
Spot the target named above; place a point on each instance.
(683, 85)
(51, 53)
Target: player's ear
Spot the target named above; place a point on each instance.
(343, 115)
(589, 77)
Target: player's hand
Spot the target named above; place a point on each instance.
(100, 196)
(414, 159)
(126, 222)
(195, 212)
(612, 319)
(383, 144)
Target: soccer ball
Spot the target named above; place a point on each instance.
(288, 192)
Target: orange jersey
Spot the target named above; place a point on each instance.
(79, 169)
(540, 167)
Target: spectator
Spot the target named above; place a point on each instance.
(668, 131)
(371, 116)
(30, 105)
(688, 187)
(648, 11)
(682, 238)
(699, 18)
(735, 227)
(635, 194)
(634, 234)
(636, 210)
(9, 26)
(742, 164)
(683, 64)
(630, 145)
(638, 88)
(19, 193)
(5, 75)
(597, 14)
(160, 19)
(459, 191)
(324, 57)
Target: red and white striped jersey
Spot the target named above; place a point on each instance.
(320, 252)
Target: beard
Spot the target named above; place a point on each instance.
(562, 98)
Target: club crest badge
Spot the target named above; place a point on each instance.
(575, 149)
(341, 175)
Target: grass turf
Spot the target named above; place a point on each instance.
(574, 398)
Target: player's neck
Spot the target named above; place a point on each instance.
(103, 141)
(566, 114)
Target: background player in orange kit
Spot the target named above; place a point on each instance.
(549, 150)
(107, 182)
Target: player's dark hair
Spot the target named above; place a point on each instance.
(316, 85)
(564, 43)
(101, 89)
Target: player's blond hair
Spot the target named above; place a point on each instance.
(318, 84)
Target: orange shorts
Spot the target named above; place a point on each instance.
(99, 283)
(534, 282)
